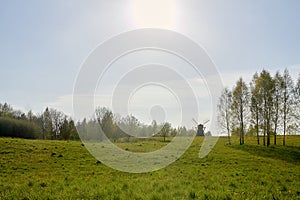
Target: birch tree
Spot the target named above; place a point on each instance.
(287, 89)
(240, 106)
(224, 112)
(277, 103)
(255, 106)
(265, 84)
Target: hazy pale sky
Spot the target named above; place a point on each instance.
(44, 43)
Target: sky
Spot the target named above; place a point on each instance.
(45, 43)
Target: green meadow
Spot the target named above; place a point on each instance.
(44, 169)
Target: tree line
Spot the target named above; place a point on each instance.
(50, 124)
(116, 127)
(55, 125)
(267, 106)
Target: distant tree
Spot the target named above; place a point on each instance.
(46, 122)
(154, 127)
(173, 132)
(146, 130)
(297, 90)
(256, 102)
(18, 114)
(106, 120)
(11, 127)
(143, 130)
(182, 131)
(48, 125)
(57, 119)
(132, 124)
(277, 102)
(100, 112)
(208, 133)
(73, 131)
(95, 133)
(37, 120)
(82, 128)
(30, 116)
(166, 128)
(65, 130)
(287, 89)
(225, 112)
(6, 110)
(265, 84)
(296, 110)
(240, 105)
(91, 130)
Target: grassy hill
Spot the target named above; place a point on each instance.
(38, 169)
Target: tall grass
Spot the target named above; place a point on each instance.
(41, 169)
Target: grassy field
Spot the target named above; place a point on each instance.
(37, 169)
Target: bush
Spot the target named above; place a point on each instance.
(10, 127)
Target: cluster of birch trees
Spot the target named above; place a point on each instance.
(266, 107)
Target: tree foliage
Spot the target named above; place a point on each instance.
(10, 127)
(273, 104)
(225, 112)
(240, 106)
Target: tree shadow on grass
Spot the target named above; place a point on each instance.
(284, 153)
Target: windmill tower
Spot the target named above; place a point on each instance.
(200, 127)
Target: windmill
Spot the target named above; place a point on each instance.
(200, 127)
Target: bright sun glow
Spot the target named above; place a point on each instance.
(154, 13)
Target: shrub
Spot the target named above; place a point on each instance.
(10, 127)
